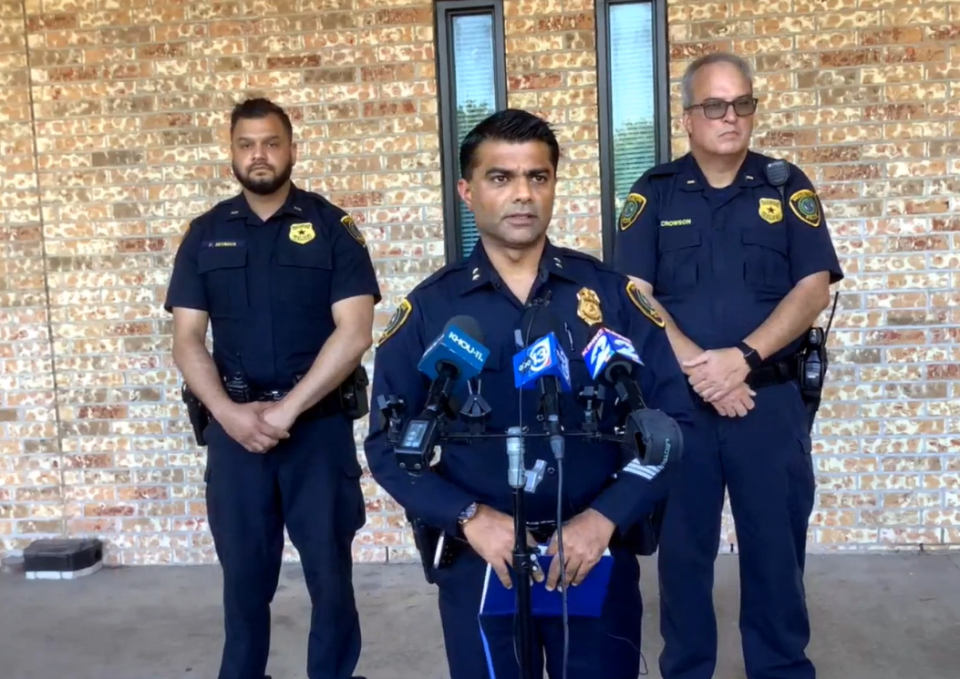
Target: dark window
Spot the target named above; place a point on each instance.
(471, 82)
(634, 100)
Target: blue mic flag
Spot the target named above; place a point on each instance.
(543, 358)
(605, 347)
(458, 347)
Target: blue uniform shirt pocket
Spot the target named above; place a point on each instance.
(223, 267)
(766, 263)
(303, 277)
(680, 254)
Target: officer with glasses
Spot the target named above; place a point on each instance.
(732, 248)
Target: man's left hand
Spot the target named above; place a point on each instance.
(585, 538)
(717, 372)
(280, 415)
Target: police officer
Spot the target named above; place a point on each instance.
(740, 265)
(508, 167)
(287, 283)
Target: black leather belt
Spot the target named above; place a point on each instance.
(773, 373)
(329, 405)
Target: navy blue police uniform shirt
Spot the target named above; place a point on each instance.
(477, 470)
(720, 261)
(269, 287)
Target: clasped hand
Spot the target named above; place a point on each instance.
(718, 375)
(257, 426)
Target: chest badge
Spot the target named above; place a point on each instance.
(588, 306)
(771, 210)
(302, 233)
(353, 229)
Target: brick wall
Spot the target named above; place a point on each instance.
(113, 134)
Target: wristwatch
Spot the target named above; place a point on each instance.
(468, 513)
(750, 355)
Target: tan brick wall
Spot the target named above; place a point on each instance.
(113, 134)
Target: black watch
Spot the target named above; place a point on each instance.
(750, 355)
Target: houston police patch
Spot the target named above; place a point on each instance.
(806, 206)
(641, 302)
(631, 210)
(399, 317)
(353, 229)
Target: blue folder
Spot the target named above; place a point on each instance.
(584, 600)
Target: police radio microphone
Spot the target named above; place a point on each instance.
(651, 436)
(777, 173)
(544, 365)
(455, 356)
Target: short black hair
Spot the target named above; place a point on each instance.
(259, 107)
(510, 125)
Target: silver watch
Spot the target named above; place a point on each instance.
(468, 513)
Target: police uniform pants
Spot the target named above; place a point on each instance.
(764, 461)
(607, 647)
(310, 482)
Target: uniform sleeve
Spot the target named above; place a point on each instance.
(638, 488)
(353, 272)
(429, 496)
(637, 230)
(186, 285)
(811, 248)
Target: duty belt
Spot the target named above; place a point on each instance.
(329, 405)
(773, 373)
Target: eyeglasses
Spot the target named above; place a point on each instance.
(714, 109)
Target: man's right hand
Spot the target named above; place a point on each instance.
(737, 403)
(243, 424)
(491, 534)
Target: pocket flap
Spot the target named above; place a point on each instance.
(679, 237)
(771, 237)
(212, 258)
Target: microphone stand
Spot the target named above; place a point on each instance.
(524, 558)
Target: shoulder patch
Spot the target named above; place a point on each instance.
(631, 210)
(806, 206)
(641, 302)
(396, 321)
(353, 229)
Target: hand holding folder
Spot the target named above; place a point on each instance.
(583, 600)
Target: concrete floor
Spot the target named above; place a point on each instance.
(874, 617)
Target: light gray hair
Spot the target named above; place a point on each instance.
(686, 84)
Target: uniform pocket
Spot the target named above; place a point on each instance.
(303, 281)
(679, 265)
(224, 274)
(766, 263)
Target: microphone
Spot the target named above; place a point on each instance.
(454, 357)
(544, 365)
(650, 436)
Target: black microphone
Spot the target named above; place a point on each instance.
(650, 436)
(455, 356)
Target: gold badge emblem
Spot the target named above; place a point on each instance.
(396, 321)
(806, 206)
(302, 233)
(771, 210)
(588, 307)
(641, 302)
(631, 210)
(353, 229)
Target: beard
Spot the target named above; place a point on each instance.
(266, 185)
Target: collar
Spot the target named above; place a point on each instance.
(692, 179)
(294, 206)
(477, 270)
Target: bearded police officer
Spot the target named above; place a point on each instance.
(734, 250)
(287, 284)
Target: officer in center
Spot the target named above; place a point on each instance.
(285, 279)
(508, 166)
(734, 251)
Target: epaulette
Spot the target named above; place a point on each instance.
(664, 169)
(440, 274)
